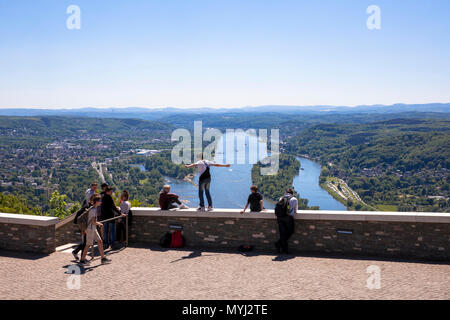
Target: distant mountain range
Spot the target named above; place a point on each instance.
(157, 113)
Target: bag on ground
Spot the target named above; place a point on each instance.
(166, 240)
(177, 240)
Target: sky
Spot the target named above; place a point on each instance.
(228, 53)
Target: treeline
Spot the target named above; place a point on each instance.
(163, 163)
(13, 204)
(144, 186)
(274, 186)
(60, 126)
(399, 164)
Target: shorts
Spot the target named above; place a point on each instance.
(91, 236)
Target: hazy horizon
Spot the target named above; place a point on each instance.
(228, 107)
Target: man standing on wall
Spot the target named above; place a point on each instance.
(204, 180)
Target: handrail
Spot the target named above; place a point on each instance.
(126, 225)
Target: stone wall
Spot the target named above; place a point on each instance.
(27, 233)
(395, 234)
(400, 235)
(67, 232)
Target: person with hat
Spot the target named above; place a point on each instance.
(109, 210)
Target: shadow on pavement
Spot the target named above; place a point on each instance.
(293, 255)
(22, 255)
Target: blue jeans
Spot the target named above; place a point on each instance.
(110, 234)
(204, 185)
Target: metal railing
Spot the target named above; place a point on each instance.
(109, 220)
(126, 226)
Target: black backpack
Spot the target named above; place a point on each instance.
(165, 240)
(282, 207)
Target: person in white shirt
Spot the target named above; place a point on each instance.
(204, 180)
(293, 204)
(89, 193)
(125, 207)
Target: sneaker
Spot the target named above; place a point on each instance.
(75, 256)
(210, 208)
(201, 208)
(84, 261)
(183, 206)
(105, 260)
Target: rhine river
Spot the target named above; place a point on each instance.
(230, 187)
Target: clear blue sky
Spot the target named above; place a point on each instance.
(229, 53)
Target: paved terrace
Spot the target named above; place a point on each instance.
(152, 273)
(329, 264)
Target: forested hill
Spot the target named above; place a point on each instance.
(59, 126)
(403, 162)
(274, 186)
(404, 144)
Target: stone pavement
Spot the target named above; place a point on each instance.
(153, 273)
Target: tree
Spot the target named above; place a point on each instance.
(58, 205)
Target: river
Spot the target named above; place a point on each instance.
(230, 187)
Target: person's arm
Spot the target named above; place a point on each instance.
(115, 209)
(173, 195)
(220, 165)
(190, 165)
(246, 206)
(261, 204)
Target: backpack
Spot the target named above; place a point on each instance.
(166, 240)
(83, 219)
(177, 240)
(282, 207)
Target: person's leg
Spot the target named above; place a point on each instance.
(113, 233)
(105, 235)
(290, 231)
(100, 248)
(89, 242)
(208, 195)
(280, 233)
(283, 234)
(201, 186)
(123, 237)
(82, 245)
(79, 247)
(119, 231)
(174, 200)
(291, 226)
